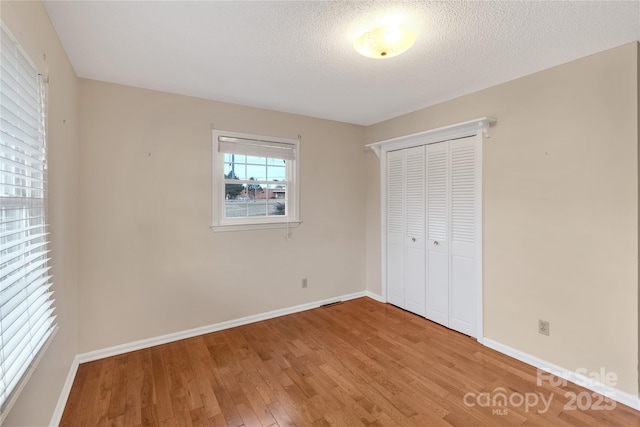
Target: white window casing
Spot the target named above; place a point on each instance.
(255, 182)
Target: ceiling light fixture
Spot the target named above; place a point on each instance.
(384, 42)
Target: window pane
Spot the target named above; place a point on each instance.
(255, 191)
(256, 160)
(244, 207)
(235, 208)
(239, 171)
(227, 171)
(259, 173)
(238, 158)
(276, 173)
(276, 191)
(235, 171)
(233, 191)
(277, 207)
(257, 207)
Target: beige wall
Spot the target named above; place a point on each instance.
(149, 263)
(29, 22)
(560, 210)
(561, 213)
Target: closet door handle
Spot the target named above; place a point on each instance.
(435, 242)
(413, 239)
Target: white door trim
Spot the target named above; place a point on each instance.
(479, 128)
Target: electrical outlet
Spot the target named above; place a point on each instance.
(543, 327)
(304, 283)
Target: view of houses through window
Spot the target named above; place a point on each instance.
(254, 186)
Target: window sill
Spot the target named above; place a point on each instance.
(245, 227)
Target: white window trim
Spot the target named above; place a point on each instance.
(220, 223)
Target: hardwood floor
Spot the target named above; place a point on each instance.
(351, 364)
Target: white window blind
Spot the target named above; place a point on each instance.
(257, 148)
(26, 303)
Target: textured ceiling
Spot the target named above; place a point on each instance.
(298, 56)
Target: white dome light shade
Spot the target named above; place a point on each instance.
(384, 42)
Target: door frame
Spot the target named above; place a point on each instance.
(478, 128)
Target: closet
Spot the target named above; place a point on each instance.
(431, 191)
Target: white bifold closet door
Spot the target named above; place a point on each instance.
(406, 229)
(452, 232)
(432, 231)
(464, 236)
(395, 227)
(438, 233)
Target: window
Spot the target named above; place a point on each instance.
(26, 304)
(255, 181)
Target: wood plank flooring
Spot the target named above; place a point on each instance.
(359, 363)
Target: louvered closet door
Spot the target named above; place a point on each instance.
(437, 288)
(464, 234)
(415, 206)
(434, 235)
(395, 227)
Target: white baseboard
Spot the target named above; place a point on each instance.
(576, 378)
(64, 394)
(189, 333)
(375, 296)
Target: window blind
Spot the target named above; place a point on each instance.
(256, 148)
(26, 303)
